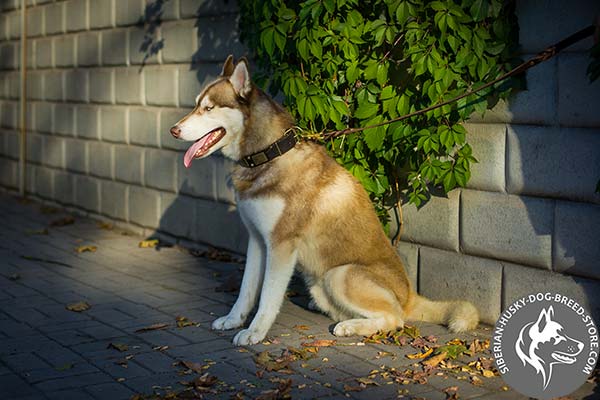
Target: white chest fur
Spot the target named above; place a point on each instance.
(262, 213)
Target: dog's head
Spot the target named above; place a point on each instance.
(544, 343)
(217, 121)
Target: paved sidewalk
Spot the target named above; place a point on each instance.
(114, 350)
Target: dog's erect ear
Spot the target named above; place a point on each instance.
(228, 66)
(240, 79)
(544, 318)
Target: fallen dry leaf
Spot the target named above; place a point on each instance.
(68, 220)
(64, 367)
(281, 392)
(487, 373)
(197, 368)
(202, 382)
(118, 346)
(320, 343)
(359, 388)
(366, 381)
(106, 225)
(418, 356)
(475, 380)
(152, 327)
(433, 362)
(268, 362)
(150, 243)
(86, 248)
(161, 348)
(79, 306)
(451, 392)
(302, 327)
(182, 322)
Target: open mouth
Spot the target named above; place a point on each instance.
(563, 358)
(203, 145)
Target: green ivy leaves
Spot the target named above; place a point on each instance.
(351, 63)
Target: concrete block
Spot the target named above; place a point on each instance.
(101, 13)
(143, 124)
(114, 47)
(507, 227)
(54, 151)
(435, 223)
(170, 9)
(137, 41)
(35, 21)
(193, 8)
(409, 253)
(76, 155)
(179, 41)
(169, 117)
(8, 56)
(12, 144)
(575, 239)
(43, 117)
(200, 179)
(539, 28)
(220, 225)
(44, 49)
(53, 85)
(537, 164)
(129, 12)
(101, 86)
(35, 148)
(160, 169)
(77, 15)
(578, 99)
(14, 25)
(144, 206)
(446, 275)
(76, 85)
(64, 51)
(223, 183)
(488, 142)
(87, 194)
(35, 85)
(64, 119)
(177, 215)
(520, 281)
(55, 18)
(191, 82)
(14, 87)
(534, 105)
(9, 115)
(64, 186)
(216, 39)
(161, 86)
(43, 182)
(87, 122)
(113, 124)
(30, 178)
(129, 86)
(100, 159)
(9, 173)
(88, 49)
(31, 54)
(114, 199)
(128, 164)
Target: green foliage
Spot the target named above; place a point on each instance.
(354, 63)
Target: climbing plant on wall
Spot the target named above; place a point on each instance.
(352, 63)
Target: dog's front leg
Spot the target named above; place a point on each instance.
(251, 282)
(279, 269)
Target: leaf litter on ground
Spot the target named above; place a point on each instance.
(148, 244)
(64, 221)
(153, 327)
(86, 248)
(80, 306)
(122, 347)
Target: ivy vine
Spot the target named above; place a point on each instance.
(353, 63)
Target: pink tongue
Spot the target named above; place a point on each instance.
(189, 154)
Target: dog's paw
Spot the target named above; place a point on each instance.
(347, 328)
(226, 322)
(248, 337)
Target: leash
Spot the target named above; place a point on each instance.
(545, 55)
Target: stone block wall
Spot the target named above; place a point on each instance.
(98, 142)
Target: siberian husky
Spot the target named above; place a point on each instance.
(302, 209)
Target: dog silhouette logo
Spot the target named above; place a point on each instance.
(544, 343)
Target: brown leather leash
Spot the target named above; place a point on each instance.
(545, 55)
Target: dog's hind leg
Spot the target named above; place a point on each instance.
(251, 286)
(372, 306)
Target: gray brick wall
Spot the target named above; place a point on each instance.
(98, 140)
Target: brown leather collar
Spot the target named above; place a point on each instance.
(281, 146)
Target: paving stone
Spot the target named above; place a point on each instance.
(23, 362)
(73, 382)
(14, 386)
(70, 394)
(109, 390)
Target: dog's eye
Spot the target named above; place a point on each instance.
(208, 108)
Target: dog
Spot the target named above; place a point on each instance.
(543, 344)
(301, 208)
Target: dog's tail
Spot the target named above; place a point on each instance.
(459, 316)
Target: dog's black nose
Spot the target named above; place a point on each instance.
(175, 131)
